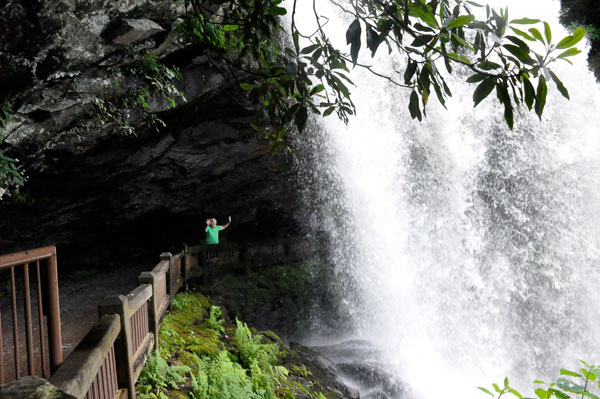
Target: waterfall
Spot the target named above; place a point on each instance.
(465, 251)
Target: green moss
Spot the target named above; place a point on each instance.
(205, 342)
(301, 371)
(271, 337)
(178, 395)
(183, 325)
(231, 361)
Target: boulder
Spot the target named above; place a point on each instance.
(129, 31)
(32, 388)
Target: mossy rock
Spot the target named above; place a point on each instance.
(269, 337)
(177, 395)
(207, 344)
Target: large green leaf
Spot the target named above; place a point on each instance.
(525, 21)
(464, 43)
(540, 97)
(571, 40)
(517, 51)
(422, 40)
(301, 117)
(247, 87)
(353, 32)
(569, 53)
(353, 38)
(509, 118)
(310, 49)
(373, 41)
(461, 20)
(423, 12)
(547, 32)
(476, 78)
(483, 90)
(523, 34)
(542, 393)
(410, 71)
(559, 85)
(536, 33)
(519, 42)
(569, 373)
(529, 93)
(277, 10)
(413, 106)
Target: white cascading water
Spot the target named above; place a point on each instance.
(464, 251)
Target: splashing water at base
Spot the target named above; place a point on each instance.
(464, 251)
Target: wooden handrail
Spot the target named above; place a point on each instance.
(35, 261)
(29, 256)
(79, 370)
(129, 324)
(138, 297)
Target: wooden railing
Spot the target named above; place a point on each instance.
(263, 253)
(108, 361)
(90, 371)
(41, 263)
(160, 300)
(135, 340)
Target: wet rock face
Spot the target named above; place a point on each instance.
(95, 191)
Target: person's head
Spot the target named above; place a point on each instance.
(213, 222)
(315, 211)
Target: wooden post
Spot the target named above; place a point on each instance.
(153, 316)
(169, 258)
(202, 263)
(54, 331)
(117, 304)
(184, 266)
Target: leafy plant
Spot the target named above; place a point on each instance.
(157, 376)
(592, 32)
(215, 319)
(251, 348)
(180, 302)
(572, 384)
(12, 176)
(158, 82)
(287, 83)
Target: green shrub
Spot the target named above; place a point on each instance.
(158, 376)
(572, 384)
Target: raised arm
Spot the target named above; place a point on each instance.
(207, 224)
(227, 225)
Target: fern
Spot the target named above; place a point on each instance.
(227, 380)
(215, 320)
(250, 348)
(157, 376)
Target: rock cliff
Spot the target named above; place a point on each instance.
(93, 188)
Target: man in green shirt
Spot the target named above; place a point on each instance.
(212, 230)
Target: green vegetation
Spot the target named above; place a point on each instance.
(289, 81)
(572, 385)
(288, 292)
(511, 57)
(156, 81)
(593, 32)
(202, 356)
(11, 174)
